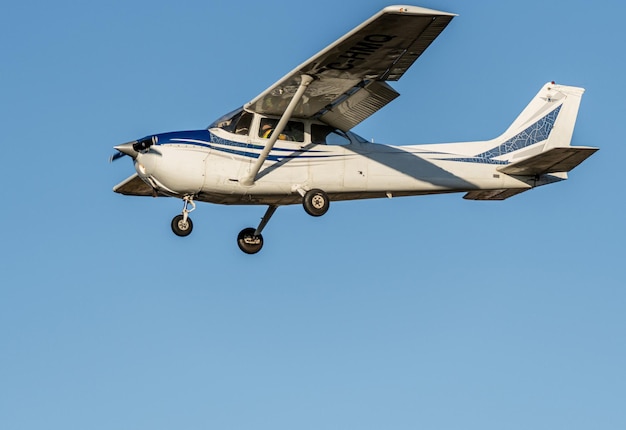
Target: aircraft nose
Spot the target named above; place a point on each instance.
(124, 149)
(127, 149)
(145, 143)
(133, 148)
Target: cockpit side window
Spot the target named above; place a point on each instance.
(327, 135)
(243, 124)
(294, 130)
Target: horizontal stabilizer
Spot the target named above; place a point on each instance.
(134, 186)
(553, 160)
(494, 194)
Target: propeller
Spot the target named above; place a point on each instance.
(123, 150)
(116, 156)
(133, 148)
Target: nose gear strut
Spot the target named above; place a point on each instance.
(181, 224)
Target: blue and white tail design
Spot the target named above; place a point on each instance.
(539, 140)
(540, 136)
(547, 122)
(536, 148)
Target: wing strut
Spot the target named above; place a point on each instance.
(251, 176)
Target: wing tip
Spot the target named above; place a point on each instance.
(415, 10)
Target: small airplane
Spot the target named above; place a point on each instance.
(292, 143)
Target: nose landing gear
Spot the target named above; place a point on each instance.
(181, 224)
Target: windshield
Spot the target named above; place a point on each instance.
(226, 120)
(237, 121)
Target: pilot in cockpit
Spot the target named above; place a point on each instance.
(266, 131)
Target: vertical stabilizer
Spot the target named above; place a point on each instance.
(540, 138)
(547, 122)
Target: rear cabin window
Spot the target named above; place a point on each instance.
(327, 135)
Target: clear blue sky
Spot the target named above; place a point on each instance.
(426, 312)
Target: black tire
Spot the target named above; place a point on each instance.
(248, 242)
(181, 229)
(316, 202)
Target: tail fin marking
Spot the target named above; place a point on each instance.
(535, 133)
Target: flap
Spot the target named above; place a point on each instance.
(348, 112)
(551, 161)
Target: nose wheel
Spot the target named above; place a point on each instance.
(182, 227)
(181, 224)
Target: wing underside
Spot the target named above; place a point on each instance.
(350, 74)
(134, 186)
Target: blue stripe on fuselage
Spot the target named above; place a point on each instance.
(206, 139)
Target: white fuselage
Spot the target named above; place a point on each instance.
(209, 165)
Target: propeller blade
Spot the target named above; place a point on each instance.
(116, 156)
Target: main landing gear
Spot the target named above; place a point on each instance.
(315, 202)
(250, 240)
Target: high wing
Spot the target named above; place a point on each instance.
(349, 75)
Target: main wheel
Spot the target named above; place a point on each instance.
(181, 228)
(248, 242)
(316, 202)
